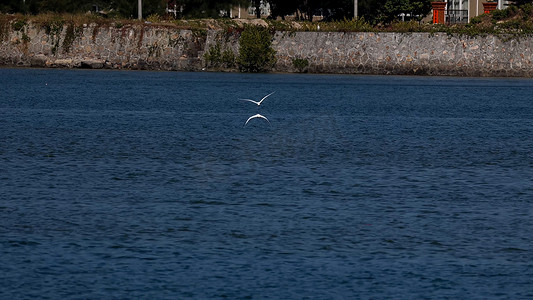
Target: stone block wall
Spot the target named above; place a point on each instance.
(168, 48)
(93, 46)
(406, 53)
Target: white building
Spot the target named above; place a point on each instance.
(462, 11)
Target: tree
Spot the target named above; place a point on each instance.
(373, 11)
(308, 7)
(128, 8)
(387, 11)
(337, 9)
(282, 8)
(255, 49)
(122, 8)
(392, 9)
(11, 6)
(520, 3)
(208, 8)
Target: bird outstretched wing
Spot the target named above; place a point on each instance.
(256, 116)
(265, 97)
(250, 101)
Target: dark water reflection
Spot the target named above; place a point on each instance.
(147, 185)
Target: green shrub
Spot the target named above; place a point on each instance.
(19, 25)
(499, 14)
(53, 27)
(216, 58)
(228, 58)
(280, 25)
(25, 38)
(301, 64)
(213, 56)
(71, 33)
(349, 25)
(511, 26)
(255, 52)
(475, 20)
(527, 9)
(154, 18)
(409, 26)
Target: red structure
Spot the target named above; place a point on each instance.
(488, 7)
(438, 12)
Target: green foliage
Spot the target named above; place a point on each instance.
(389, 11)
(392, 10)
(115, 8)
(475, 20)
(228, 58)
(53, 28)
(213, 56)
(280, 25)
(154, 18)
(347, 25)
(520, 3)
(19, 25)
(527, 9)
(208, 8)
(410, 26)
(71, 33)
(25, 38)
(256, 53)
(154, 50)
(255, 50)
(281, 8)
(300, 63)
(199, 32)
(216, 58)
(500, 14)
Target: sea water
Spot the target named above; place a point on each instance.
(148, 185)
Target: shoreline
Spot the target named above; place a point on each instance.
(145, 47)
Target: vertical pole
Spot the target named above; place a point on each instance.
(355, 9)
(140, 10)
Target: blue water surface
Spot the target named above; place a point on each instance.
(147, 185)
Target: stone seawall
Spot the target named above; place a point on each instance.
(407, 54)
(93, 46)
(168, 48)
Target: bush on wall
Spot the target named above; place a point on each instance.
(255, 50)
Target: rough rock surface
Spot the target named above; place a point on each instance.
(168, 48)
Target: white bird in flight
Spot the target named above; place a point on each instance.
(258, 102)
(256, 116)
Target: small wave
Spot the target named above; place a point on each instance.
(23, 243)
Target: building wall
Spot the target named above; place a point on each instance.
(475, 7)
